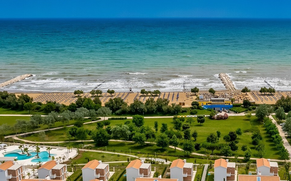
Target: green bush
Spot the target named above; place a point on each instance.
(193, 112)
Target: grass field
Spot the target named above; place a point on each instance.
(11, 120)
(210, 126)
(83, 157)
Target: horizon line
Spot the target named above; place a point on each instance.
(84, 18)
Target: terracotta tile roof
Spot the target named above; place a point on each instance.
(134, 164)
(49, 165)
(6, 165)
(220, 163)
(255, 178)
(263, 162)
(177, 163)
(92, 164)
(155, 179)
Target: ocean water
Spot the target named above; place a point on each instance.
(165, 54)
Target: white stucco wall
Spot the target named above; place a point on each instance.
(43, 173)
(131, 174)
(220, 174)
(177, 173)
(2, 175)
(264, 170)
(87, 174)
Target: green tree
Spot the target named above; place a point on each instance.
(187, 134)
(246, 103)
(188, 147)
(244, 147)
(72, 132)
(98, 93)
(28, 106)
(164, 127)
(111, 92)
(177, 124)
(174, 141)
(248, 155)
(162, 141)
(195, 90)
(100, 137)
(156, 126)
(212, 138)
(49, 150)
(218, 133)
(190, 120)
(194, 135)
(201, 119)
(245, 90)
(238, 131)
(139, 138)
(262, 111)
(280, 113)
(81, 133)
(233, 146)
(121, 131)
(212, 91)
(138, 120)
(104, 111)
(226, 151)
(226, 138)
(232, 135)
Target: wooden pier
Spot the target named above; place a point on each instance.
(16, 79)
(227, 82)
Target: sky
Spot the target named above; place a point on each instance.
(145, 9)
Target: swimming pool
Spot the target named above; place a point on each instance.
(43, 156)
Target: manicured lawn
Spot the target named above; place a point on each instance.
(11, 120)
(83, 157)
(9, 111)
(210, 126)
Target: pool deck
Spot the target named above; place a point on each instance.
(61, 154)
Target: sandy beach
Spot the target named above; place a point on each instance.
(185, 98)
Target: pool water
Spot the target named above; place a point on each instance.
(43, 156)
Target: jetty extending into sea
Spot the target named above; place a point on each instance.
(16, 79)
(227, 82)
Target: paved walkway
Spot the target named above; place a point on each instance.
(204, 172)
(282, 134)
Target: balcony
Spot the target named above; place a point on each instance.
(96, 175)
(185, 175)
(228, 174)
(53, 176)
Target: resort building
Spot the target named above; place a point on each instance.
(53, 171)
(181, 170)
(224, 170)
(257, 178)
(155, 179)
(137, 169)
(266, 167)
(9, 171)
(94, 170)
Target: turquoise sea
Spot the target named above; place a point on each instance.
(69, 54)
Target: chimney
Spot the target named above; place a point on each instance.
(100, 161)
(142, 161)
(184, 160)
(269, 160)
(227, 160)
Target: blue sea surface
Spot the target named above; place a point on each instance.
(69, 54)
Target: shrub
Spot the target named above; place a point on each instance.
(193, 112)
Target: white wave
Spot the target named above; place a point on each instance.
(244, 72)
(136, 73)
(184, 76)
(50, 73)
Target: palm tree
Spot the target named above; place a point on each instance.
(28, 174)
(37, 150)
(26, 151)
(21, 148)
(49, 150)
